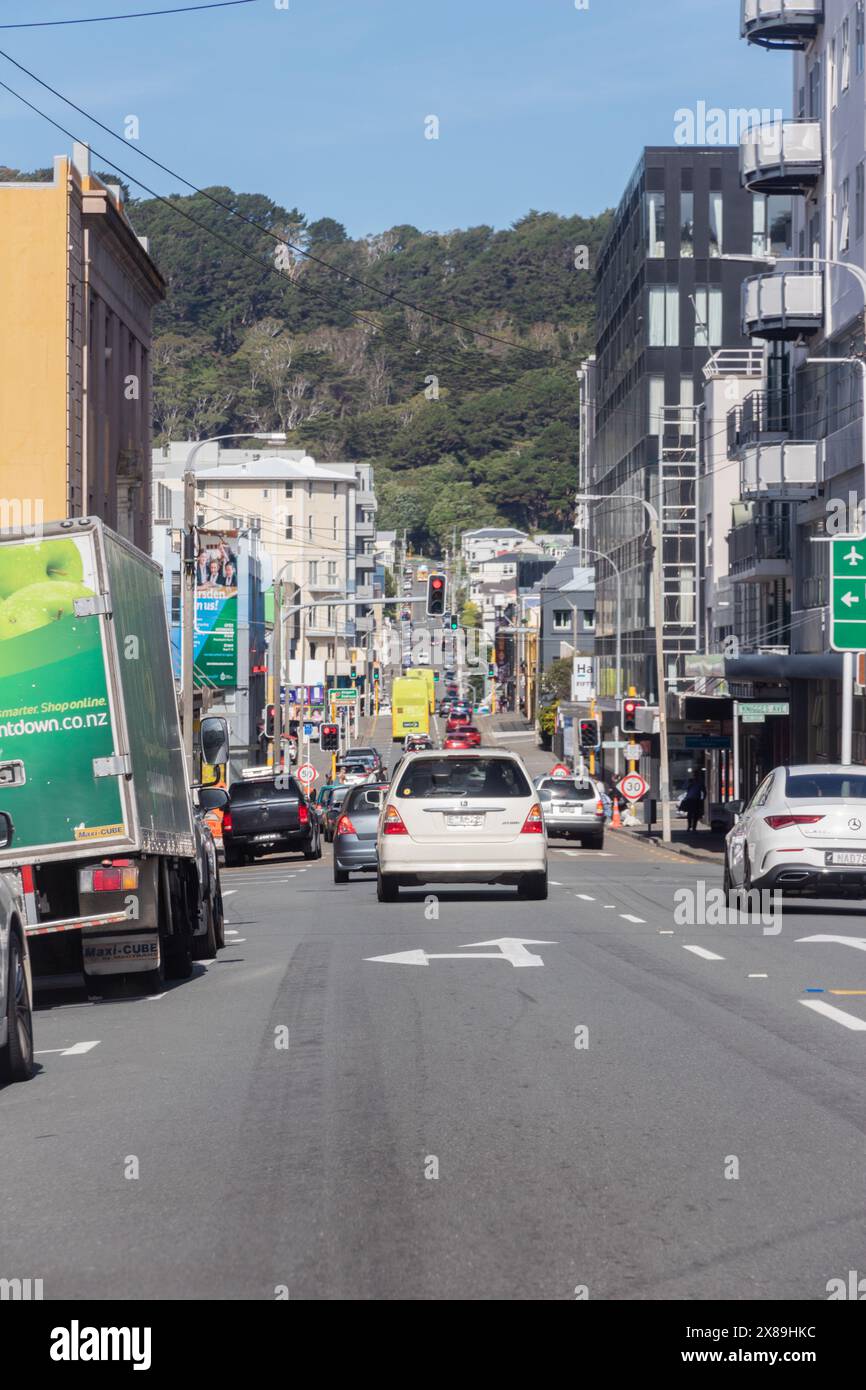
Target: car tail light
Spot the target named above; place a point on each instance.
(345, 826)
(533, 825)
(394, 822)
(110, 878)
(303, 814)
(227, 822)
(599, 808)
(782, 822)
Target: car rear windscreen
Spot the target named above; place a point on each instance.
(565, 790)
(434, 777)
(240, 792)
(365, 799)
(813, 786)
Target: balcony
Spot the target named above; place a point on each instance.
(762, 417)
(783, 307)
(780, 472)
(364, 561)
(325, 585)
(759, 550)
(783, 24)
(783, 157)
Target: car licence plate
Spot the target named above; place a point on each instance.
(837, 856)
(262, 839)
(463, 822)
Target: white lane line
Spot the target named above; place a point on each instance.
(76, 1050)
(610, 907)
(703, 953)
(228, 892)
(758, 977)
(238, 940)
(627, 917)
(584, 897)
(151, 998)
(232, 933)
(554, 884)
(857, 1025)
(666, 933)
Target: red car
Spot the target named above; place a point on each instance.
(458, 719)
(467, 737)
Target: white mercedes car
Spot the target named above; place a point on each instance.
(16, 985)
(462, 817)
(804, 831)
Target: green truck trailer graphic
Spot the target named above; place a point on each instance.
(55, 713)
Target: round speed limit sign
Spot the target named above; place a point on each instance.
(307, 774)
(633, 786)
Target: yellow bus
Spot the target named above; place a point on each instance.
(425, 674)
(409, 708)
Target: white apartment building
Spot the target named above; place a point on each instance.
(306, 517)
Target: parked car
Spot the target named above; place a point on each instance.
(331, 813)
(803, 831)
(573, 809)
(16, 984)
(454, 817)
(265, 815)
(355, 832)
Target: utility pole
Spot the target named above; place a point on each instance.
(278, 673)
(658, 604)
(188, 560)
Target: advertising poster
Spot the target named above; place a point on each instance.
(215, 652)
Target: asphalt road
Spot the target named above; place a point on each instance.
(466, 1128)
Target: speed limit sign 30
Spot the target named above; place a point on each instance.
(633, 787)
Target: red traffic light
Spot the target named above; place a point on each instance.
(437, 582)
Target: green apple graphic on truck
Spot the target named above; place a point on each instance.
(39, 585)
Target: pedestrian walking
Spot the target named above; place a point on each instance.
(693, 802)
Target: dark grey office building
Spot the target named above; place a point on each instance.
(666, 301)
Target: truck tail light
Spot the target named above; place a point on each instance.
(227, 822)
(533, 825)
(782, 822)
(345, 826)
(109, 878)
(394, 822)
(303, 814)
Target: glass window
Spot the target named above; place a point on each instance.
(687, 404)
(844, 218)
(656, 404)
(655, 224)
(859, 203)
(562, 620)
(859, 38)
(845, 73)
(314, 571)
(478, 776)
(831, 71)
(589, 619)
(332, 571)
(716, 224)
(839, 785)
(687, 225)
(815, 91)
(708, 318)
(664, 316)
(289, 527)
(289, 488)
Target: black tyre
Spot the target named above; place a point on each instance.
(220, 919)
(313, 850)
(232, 858)
(594, 842)
(16, 1059)
(205, 947)
(533, 887)
(341, 875)
(387, 890)
(728, 888)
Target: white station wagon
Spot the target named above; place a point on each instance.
(462, 817)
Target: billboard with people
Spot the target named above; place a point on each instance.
(215, 652)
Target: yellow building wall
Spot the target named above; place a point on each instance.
(33, 347)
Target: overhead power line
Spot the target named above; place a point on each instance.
(137, 14)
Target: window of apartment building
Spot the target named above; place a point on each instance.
(336, 485)
(815, 91)
(266, 492)
(687, 405)
(845, 69)
(225, 494)
(289, 489)
(237, 523)
(656, 404)
(708, 318)
(309, 489)
(336, 528)
(844, 222)
(716, 224)
(563, 620)
(664, 316)
(199, 487)
(332, 571)
(831, 71)
(655, 224)
(175, 598)
(314, 571)
(859, 38)
(859, 200)
(255, 523)
(332, 617)
(589, 620)
(309, 528)
(815, 234)
(199, 521)
(290, 526)
(687, 225)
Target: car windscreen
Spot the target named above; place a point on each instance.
(338, 796)
(241, 792)
(815, 785)
(563, 789)
(439, 777)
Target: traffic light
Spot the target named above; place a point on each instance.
(377, 674)
(329, 738)
(628, 716)
(589, 734)
(435, 595)
(353, 672)
(453, 622)
(491, 672)
(270, 713)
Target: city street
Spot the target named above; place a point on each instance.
(516, 1124)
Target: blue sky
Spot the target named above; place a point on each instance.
(323, 105)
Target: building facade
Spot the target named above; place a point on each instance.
(77, 293)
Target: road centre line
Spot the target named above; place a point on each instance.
(585, 897)
(628, 917)
(703, 952)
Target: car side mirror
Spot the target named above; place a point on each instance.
(7, 830)
(214, 740)
(212, 798)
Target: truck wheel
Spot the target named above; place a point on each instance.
(220, 920)
(387, 889)
(16, 1059)
(205, 947)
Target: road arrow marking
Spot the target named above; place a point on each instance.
(849, 598)
(511, 949)
(858, 942)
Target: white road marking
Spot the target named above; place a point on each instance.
(858, 942)
(76, 1050)
(511, 949)
(238, 940)
(554, 884)
(228, 892)
(857, 1025)
(627, 917)
(665, 933)
(703, 953)
(758, 977)
(150, 998)
(585, 897)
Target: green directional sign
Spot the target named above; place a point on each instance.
(848, 594)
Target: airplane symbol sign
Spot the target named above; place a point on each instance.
(848, 594)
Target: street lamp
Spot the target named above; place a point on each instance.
(188, 561)
(658, 604)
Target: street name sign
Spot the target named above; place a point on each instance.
(346, 696)
(848, 594)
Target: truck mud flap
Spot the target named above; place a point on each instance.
(105, 954)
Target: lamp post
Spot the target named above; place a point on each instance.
(658, 605)
(188, 560)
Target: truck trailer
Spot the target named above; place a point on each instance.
(92, 769)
